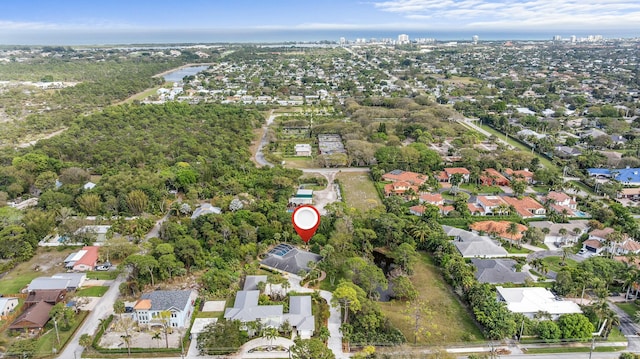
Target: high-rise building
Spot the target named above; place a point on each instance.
(475, 39)
(403, 39)
(557, 38)
(343, 41)
(573, 38)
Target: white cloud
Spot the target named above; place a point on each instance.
(515, 14)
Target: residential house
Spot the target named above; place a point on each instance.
(497, 271)
(180, 304)
(303, 149)
(33, 319)
(247, 309)
(400, 188)
(500, 229)
(526, 207)
(48, 283)
(491, 177)
(561, 201)
(628, 246)
(472, 245)
(593, 246)
(88, 261)
(303, 196)
(205, 208)
(75, 279)
(287, 258)
(533, 300)
(435, 199)
(417, 210)
(7, 305)
(300, 316)
(567, 151)
(51, 296)
(554, 235)
(626, 176)
(447, 174)
(629, 193)
(413, 178)
(521, 175)
(601, 234)
(492, 205)
(96, 232)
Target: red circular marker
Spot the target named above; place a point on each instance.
(306, 220)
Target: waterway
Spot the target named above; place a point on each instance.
(178, 75)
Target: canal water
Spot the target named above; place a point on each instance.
(178, 75)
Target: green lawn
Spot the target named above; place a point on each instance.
(516, 250)
(554, 263)
(106, 275)
(92, 291)
(481, 189)
(629, 307)
(358, 190)
(44, 263)
(46, 342)
(449, 321)
(209, 314)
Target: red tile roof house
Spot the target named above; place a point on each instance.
(561, 202)
(499, 228)
(524, 175)
(491, 177)
(432, 198)
(526, 207)
(490, 203)
(447, 173)
(88, 261)
(413, 178)
(399, 189)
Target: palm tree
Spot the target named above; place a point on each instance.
(157, 336)
(576, 232)
(512, 231)
(270, 334)
(563, 234)
(565, 252)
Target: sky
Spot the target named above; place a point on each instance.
(46, 20)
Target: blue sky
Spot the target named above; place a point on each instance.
(19, 17)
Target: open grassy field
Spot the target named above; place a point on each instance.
(358, 190)
(46, 262)
(299, 162)
(49, 340)
(449, 322)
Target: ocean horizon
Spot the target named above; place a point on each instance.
(68, 38)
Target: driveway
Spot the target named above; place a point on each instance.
(102, 309)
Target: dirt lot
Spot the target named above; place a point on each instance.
(140, 337)
(46, 262)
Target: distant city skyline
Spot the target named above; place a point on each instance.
(118, 21)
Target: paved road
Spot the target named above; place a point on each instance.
(260, 160)
(102, 310)
(558, 356)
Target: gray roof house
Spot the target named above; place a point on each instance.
(496, 271)
(180, 303)
(251, 281)
(48, 283)
(473, 245)
(205, 208)
(300, 316)
(246, 309)
(75, 279)
(287, 258)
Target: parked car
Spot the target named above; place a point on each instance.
(104, 266)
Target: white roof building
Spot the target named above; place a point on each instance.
(532, 300)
